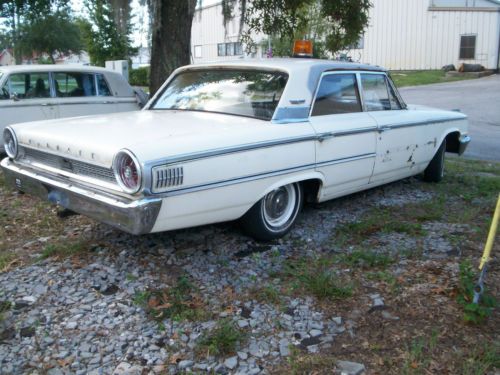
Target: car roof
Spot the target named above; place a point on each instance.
(289, 64)
(51, 68)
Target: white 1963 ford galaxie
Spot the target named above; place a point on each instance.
(248, 140)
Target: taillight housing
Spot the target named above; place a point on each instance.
(128, 172)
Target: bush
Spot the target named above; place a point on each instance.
(139, 76)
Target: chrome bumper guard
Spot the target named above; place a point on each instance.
(463, 142)
(132, 216)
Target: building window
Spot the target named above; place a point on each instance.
(229, 49)
(467, 47)
(197, 52)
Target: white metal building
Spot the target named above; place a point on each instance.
(401, 35)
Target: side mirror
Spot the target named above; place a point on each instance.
(14, 97)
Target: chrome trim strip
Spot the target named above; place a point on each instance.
(22, 104)
(254, 146)
(232, 150)
(259, 176)
(420, 123)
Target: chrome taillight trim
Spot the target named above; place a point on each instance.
(138, 166)
(165, 177)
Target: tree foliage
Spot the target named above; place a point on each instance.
(332, 24)
(55, 33)
(104, 39)
(19, 15)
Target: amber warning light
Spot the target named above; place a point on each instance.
(303, 48)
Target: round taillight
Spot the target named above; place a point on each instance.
(10, 142)
(127, 171)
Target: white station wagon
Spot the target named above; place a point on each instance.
(46, 92)
(235, 140)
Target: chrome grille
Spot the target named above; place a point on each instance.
(69, 165)
(165, 177)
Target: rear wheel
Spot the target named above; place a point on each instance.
(273, 216)
(435, 170)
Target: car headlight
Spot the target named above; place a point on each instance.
(10, 142)
(127, 171)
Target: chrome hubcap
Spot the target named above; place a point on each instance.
(279, 205)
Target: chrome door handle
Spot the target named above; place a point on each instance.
(45, 104)
(384, 129)
(324, 136)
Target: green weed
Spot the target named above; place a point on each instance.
(224, 339)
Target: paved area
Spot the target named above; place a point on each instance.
(479, 99)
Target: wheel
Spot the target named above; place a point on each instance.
(273, 216)
(435, 170)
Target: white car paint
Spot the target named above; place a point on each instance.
(230, 162)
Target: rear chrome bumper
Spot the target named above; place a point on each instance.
(132, 216)
(463, 142)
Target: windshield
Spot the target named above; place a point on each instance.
(236, 92)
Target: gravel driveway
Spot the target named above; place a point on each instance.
(477, 98)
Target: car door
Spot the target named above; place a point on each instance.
(346, 137)
(83, 93)
(402, 144)
(26, 97)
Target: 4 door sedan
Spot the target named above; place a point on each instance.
(236, 140)
(46, 92)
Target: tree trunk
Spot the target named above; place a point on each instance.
(171, 29)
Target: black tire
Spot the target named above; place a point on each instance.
(274, 215)
(435, 170)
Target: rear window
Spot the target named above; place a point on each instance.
(236, 92)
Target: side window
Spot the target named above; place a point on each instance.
(74, 84)
(337, 93)
(102, 86)
(375, 94)
(28, 86)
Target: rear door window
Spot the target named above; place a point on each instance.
(337, 93)
(375, 93)
(74, 84)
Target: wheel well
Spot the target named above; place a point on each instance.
(452, 142)
(311, 190)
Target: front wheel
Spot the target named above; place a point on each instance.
(435, 170)
(273, 216)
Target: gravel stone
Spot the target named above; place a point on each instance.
(350, 368)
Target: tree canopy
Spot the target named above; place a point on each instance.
(332, 24)
(106, 33)
(52, 34)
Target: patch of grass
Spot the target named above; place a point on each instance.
(422, 77)
(419, 354)
(365, 259)
(4, 307)
(5, 259)
(385, 277)
(379, 220)
(315, 276)
(224, 339)
(266, 294)
(179, 302)
(64, 249)
(473, 313)
(481, 360)
(299, 363)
